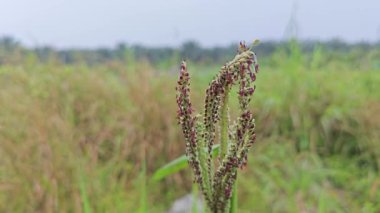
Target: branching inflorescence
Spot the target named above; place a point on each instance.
(200, 134)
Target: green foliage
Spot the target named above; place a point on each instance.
(71, 136)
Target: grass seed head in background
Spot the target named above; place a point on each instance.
(216, 184)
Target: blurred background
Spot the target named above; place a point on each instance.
(88, 111)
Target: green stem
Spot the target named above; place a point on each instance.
(203, 164)
(234, 199)
(195, 198)
(143, 190)
(224, 125)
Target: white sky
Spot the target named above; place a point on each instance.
(93, 23)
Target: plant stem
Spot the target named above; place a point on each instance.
(234, 198)
(143, 190)
(195, 198)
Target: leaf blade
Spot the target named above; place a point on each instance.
(177, 165)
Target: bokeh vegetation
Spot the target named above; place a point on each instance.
(75, 135)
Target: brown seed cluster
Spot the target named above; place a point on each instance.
(187, 121)
(200, 136)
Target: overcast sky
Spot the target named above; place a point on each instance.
(93, 23)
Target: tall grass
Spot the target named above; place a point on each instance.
(71, 138)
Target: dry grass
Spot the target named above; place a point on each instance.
(72, 138)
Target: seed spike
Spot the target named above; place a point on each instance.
(200, 133)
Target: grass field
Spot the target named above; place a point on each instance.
(75, 138)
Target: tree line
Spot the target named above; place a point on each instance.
(13, 52)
